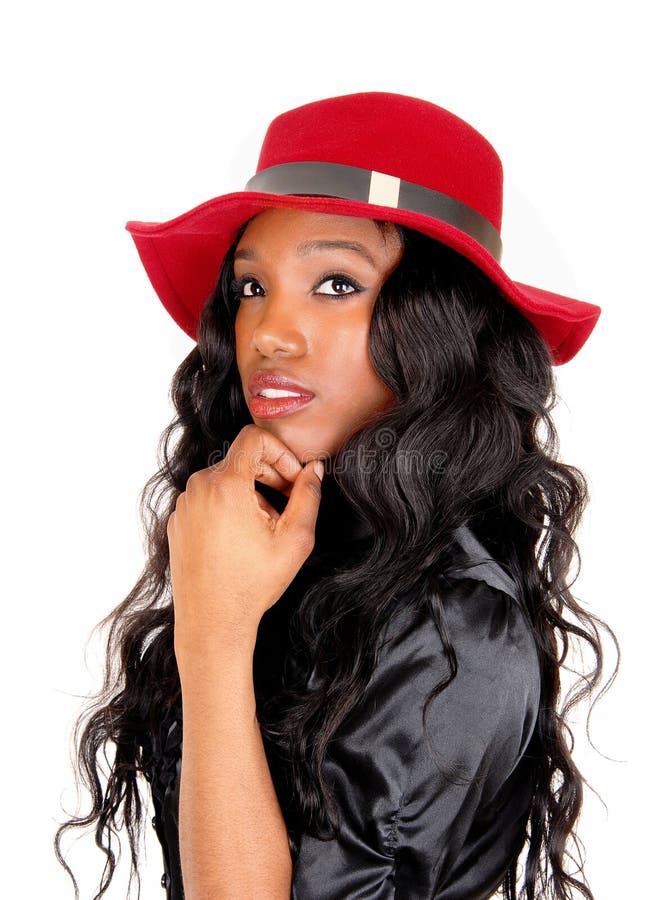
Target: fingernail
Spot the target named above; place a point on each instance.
(319, 468)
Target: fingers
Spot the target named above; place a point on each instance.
(268, 475)
(256, 454)
(266, 508)
(275, 480)
(300, 515)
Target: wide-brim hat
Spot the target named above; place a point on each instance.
(377, 155)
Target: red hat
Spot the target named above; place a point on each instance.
(376, 155)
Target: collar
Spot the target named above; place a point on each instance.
(340, 528)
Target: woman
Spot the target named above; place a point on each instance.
(340, 668)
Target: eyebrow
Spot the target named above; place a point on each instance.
(308, 247)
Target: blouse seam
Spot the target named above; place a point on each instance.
(391, 842)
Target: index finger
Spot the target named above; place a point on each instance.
(254, 451)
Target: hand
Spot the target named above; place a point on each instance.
(232, 555)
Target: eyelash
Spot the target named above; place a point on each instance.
(238, 284)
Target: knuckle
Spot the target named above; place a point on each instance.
(220, 466)
(250, 431)
(192, 482)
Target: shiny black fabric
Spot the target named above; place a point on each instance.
(413, 826)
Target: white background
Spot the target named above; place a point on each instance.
(141, 110)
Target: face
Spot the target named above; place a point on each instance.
(306, 284)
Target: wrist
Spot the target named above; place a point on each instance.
(207, 672)
(202, 635)
(215, 649)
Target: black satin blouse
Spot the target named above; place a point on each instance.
(409, 830)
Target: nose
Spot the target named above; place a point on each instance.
(278, 331)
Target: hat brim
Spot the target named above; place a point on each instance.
(182, 258)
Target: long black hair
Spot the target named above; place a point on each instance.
(474, 386)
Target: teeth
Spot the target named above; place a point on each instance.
(274, 392)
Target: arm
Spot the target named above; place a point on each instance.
(233, 838)
(231, 556)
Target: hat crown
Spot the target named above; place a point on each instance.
(397, 135)
(374, 154)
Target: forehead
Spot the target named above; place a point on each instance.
(287, 227)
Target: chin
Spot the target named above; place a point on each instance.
(302, 441)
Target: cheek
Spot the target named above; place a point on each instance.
(357, 382)
(346, 351)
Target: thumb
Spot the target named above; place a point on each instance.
(300, 513)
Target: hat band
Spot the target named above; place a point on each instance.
(379, 189)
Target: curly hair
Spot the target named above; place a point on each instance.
(473, 382)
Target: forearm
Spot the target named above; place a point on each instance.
(233, 839)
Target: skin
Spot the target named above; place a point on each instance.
(230, 560)
(293, 318)
(232, 555)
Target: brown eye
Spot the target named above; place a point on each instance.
(252, 289)
(246, 287)
(337, 286)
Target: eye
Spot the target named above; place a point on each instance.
(338, 285)
(246, 287)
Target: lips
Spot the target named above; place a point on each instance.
(262, 378)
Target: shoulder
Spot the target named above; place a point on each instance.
(424, 805)
(480, 565)
(484, 613)
(479, 609)
(491, 696)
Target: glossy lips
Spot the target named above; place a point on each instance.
(274, 407)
